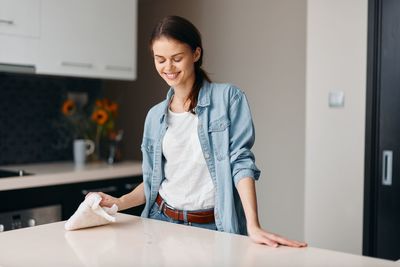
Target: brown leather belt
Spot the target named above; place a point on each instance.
(192, 216)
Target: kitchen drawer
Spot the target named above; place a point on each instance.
(69, 196)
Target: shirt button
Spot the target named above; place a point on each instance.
(206, 155)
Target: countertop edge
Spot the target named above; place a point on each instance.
(69, 174)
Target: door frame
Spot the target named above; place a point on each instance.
(371, 169)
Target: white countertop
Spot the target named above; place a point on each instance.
(135, 241)
(57, 173)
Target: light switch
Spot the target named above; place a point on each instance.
(336, 99)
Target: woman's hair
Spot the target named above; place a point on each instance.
(182, 30)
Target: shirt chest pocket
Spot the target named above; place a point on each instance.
(219, 137)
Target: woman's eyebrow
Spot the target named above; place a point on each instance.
(177, 54)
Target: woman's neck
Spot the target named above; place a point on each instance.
(180, 101)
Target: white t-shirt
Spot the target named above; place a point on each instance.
(187, 184)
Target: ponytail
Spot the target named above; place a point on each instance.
(201, 75)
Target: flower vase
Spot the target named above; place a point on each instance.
(97, 155)
(97, 150)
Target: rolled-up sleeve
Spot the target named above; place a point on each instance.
(242, 137)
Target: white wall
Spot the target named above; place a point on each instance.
(260, 46)
(336, 60)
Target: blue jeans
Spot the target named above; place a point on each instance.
(156, 213)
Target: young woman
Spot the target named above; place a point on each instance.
(198, 168)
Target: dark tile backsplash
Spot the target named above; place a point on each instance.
(30, 119)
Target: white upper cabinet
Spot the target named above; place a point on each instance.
(20, 17)
(84, 38)
(93, 38)
(19, 31)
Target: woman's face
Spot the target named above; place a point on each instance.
(174, 62)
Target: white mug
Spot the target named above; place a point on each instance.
(82, 149)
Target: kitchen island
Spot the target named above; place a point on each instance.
(136, 241)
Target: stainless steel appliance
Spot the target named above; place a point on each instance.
(29, 217)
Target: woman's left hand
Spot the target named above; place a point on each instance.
(260, 236)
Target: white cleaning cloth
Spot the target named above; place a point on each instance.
(90, 213)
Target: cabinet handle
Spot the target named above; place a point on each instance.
(118, 68)
(77, 64)
(6, 21)
(109, 189)
(387, 164)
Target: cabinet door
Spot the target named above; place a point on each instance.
(20, 17)
(382, 183)
(116, 33)
(19, 31)
(388, 193)
(88, 38)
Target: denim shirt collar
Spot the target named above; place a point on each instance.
(203, 99)
(204, 95)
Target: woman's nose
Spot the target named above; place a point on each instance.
(170, 64)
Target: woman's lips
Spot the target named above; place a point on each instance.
(172, 76)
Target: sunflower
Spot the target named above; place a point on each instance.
(99, 103)
(68, 107)
(100, 116)
(112, 107)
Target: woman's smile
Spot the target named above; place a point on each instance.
(172, 75)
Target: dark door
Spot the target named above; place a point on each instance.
(382, 183)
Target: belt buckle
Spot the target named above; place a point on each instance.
(161, 207)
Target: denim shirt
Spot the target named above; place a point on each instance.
(226, 134)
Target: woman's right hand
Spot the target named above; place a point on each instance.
(107, 200)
